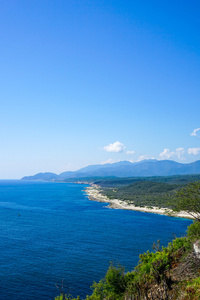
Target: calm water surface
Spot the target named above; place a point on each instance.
(51, 232)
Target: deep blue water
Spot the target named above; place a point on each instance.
(51, 232)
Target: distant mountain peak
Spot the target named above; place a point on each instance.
(147, 167)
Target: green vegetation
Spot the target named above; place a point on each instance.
(147, 191)
(113, 182)
(171, 272)
(188, 199)
(144, 193)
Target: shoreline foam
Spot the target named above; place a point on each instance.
(93, 192)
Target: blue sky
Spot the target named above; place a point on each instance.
(86, 82)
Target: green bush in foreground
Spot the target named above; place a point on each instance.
(67, 297)
(192, 289)
(193, 231)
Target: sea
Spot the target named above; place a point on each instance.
(53, 237)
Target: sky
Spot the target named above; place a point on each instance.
(88, 82)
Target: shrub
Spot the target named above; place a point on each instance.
(192, 289)
(179, 244)
(112, 287)
(193, 231)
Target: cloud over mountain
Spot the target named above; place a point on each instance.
(194, 151)
(115, 147)
(130, 152)
(167, 154)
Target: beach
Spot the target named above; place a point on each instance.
(94, 193)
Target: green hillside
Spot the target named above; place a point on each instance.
(117, 182)
(145, 191)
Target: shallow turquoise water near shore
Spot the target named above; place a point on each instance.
(51, 231)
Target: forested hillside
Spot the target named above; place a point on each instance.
(147, 191)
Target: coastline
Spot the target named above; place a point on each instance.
(94, 194)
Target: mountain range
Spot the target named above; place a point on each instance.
(150, 167)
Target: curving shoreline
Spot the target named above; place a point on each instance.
(93, 192)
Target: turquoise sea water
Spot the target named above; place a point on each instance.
(51, 232)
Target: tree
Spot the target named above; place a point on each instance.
(188, 199)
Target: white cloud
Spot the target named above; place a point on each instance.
(115, 147)
(142, 157)
(130, 152)
(194, 132)
(167, 154)
(108, 161)
(194, 151)
(179, 152)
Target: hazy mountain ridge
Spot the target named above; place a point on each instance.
(124, 169)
